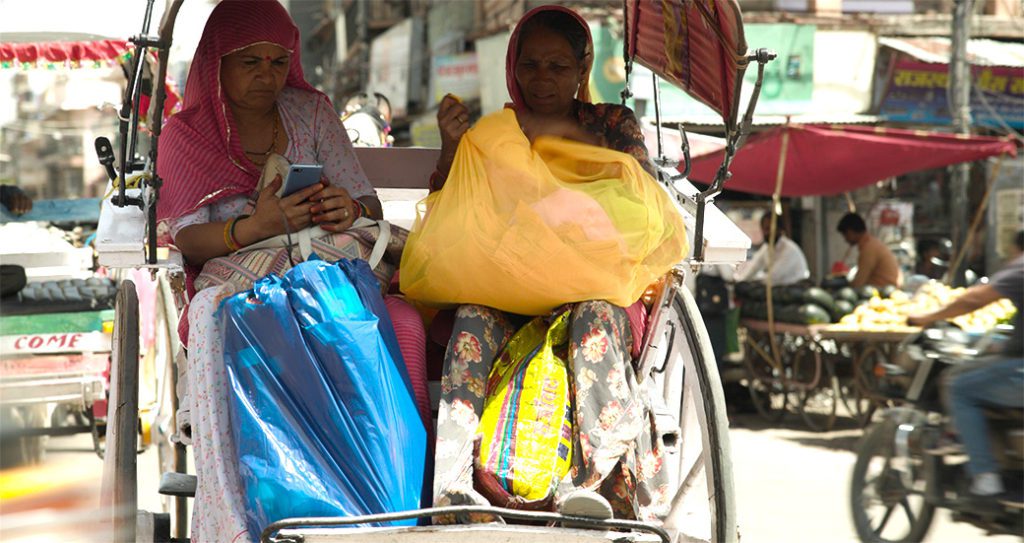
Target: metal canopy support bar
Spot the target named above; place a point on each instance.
(128, 129)
(734, 141)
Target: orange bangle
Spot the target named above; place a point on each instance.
(229, 237)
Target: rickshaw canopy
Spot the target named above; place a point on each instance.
(825, 160)
(697, 45)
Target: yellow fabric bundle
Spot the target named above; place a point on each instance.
(526, 228)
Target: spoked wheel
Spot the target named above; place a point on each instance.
(866, 381)
(855, 404)
(860, 407)
(766, 384)
(817, 404)
(887, 491)
(123, 413)
(700, 469)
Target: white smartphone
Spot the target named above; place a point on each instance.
(301, 176)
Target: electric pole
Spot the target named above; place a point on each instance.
(959, 96)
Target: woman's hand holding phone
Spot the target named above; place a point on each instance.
(334, 209)
(271, 213)
(322, 204)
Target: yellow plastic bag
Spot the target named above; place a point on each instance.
(526, 426)
(526, 229)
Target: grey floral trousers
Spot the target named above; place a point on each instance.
(616, 450)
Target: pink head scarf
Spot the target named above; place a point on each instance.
(201, 159)
(512, 55)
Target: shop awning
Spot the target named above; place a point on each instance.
(62, 53)
(914, 84)
(938, 50)
(824, 160)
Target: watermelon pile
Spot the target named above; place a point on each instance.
(801, 304)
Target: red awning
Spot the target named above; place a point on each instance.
(57, 52)
(697, 46)
(825, 160)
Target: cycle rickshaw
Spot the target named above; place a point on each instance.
(697, 45)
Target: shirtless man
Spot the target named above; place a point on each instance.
(876, 265)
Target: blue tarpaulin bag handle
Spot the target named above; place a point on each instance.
(368, 287)
(323, 419)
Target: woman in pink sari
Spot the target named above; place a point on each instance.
(245, 100)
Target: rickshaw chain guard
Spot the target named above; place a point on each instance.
(269, 534)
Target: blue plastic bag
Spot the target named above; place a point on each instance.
(322, 417)
(368, 287)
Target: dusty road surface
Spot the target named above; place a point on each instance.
(793, 485)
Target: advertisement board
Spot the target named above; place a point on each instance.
(455, 74)
(916, 92)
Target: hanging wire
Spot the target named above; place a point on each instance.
(995, 114)
(626, 93)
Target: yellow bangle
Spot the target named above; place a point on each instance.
(229, 238)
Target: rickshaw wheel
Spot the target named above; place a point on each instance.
(703, 505)
(123, 415)
(885, 489)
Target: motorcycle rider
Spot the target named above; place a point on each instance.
(996, 381)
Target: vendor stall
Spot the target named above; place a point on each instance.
(812, 366)
(808, 349)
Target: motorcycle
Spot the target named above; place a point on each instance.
(904, 471)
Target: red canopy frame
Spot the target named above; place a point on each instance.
(825, 160)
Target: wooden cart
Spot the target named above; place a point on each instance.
(812, 368)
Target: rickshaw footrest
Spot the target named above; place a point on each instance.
(178, 484)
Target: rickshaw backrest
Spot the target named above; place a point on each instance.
(398, 167)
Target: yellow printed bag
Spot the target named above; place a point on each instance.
(526, 426)
(526, 228)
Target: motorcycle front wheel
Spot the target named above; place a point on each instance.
(887, 489)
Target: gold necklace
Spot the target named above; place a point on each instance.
(273, 141)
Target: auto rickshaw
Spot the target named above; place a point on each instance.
(697, 45)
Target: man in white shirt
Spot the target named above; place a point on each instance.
(788, 264)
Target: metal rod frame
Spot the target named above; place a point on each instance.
(128, 128)
(734, 140)
(270, 532)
